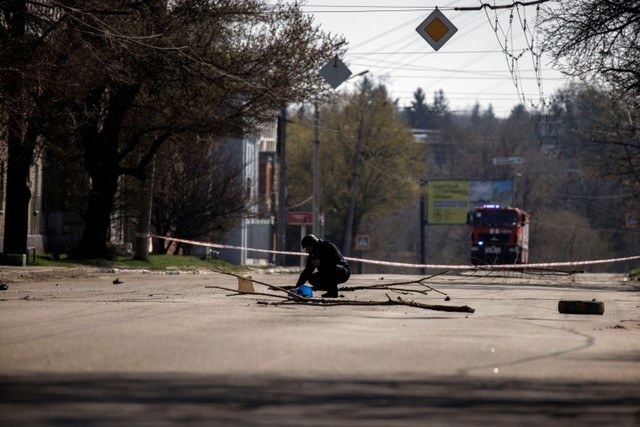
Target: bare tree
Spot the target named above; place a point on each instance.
(27, 70)
(199, 192)
(599, 41)
(133, 75)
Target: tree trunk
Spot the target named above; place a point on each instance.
(95, 238)
(102, 163)
(20, 151)
(16, 226)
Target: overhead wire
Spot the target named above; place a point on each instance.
(389, 63)
(391, 58)
(508, 47)
(404, 62)
(438, 81)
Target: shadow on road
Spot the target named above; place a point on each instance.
(157, 400)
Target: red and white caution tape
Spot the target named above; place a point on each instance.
(219, 245)
(571, 264)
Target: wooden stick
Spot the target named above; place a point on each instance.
(390, 285)
(388, 302)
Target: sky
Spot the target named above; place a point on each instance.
(471, 67)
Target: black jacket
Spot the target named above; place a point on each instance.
(329, 257)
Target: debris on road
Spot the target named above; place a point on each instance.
(581, 307)
(291, 297)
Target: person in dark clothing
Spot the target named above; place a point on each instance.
(332, 268)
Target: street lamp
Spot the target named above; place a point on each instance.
(316, 174)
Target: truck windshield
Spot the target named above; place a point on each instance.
(495, 219)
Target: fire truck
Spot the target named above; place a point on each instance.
(499, 235)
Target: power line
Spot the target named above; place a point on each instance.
(397, 58)
(495, 7)
(450, 52)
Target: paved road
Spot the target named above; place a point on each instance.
(168, 349)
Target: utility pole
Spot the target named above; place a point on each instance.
(316, 174)
(281, 221)
(423, 227)
(348, 229)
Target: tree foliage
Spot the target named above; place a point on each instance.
(602, 137)
(596, 122)
(198, 191)
(422, 115)
(124, 78)
(27, 67)
(389, 167)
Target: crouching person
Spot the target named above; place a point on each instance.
(332, 268)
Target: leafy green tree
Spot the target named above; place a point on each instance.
(365, 124)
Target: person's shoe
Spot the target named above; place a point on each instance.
(330, 295)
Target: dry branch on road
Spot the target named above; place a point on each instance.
(292, 298)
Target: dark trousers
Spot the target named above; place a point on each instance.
(328, 280)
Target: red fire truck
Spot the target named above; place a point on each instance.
(499, 235)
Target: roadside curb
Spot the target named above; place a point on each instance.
(42, 273)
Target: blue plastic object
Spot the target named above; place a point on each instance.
(303, 290)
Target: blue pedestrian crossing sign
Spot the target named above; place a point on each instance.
(363, 242)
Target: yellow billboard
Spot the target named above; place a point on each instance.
(449, 202)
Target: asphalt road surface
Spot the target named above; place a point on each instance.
(172, 349)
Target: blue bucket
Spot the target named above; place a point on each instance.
(303, 291)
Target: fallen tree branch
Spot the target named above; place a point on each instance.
(292, 298)
(391, 285)
(239, 292)
(388, 302)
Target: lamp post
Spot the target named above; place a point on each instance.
(423, 225)
(348, 229)
(281, 242)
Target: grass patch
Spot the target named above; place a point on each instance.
(156, 262)
(163, 262)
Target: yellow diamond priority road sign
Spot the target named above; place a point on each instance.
(436, 29)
